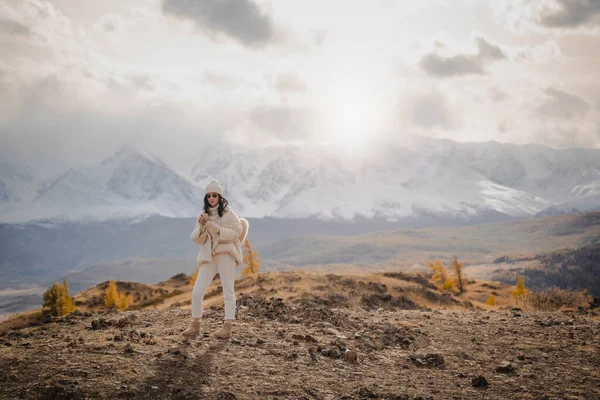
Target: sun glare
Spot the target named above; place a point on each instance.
(354, 121)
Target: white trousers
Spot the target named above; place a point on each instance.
(224, 264)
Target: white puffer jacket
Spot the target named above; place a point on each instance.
(232, 233)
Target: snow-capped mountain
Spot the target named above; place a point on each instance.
(129, 183)
(17, 183)
(425, 176)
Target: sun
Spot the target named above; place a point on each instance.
(354, 121)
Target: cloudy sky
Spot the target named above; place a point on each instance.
(79, 79)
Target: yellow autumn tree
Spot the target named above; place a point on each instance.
(114, 299)
(68, 305)
(251, 260)
(125, 300)
(440, 276)
(520, 291)
(448, 284)
(57, 300)
(459, 278)
(439, 272)
(194, 277)
(111, 295)
(491, 301)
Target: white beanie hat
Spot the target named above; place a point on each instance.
(215, 187)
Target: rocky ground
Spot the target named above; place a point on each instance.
(306, 350)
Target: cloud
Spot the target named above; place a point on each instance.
(142, 82)
(569, 137)
(83, 127)
(459, 65)
(562, 105)
(527, 16)
(285, 123)
(429, 110)
(498, 95)
(462, 64)
(12, 27)
(571, 14)
(547, 52)
(219, 79)
(241, 20)
(320, 37)
(289, 84)
(487, 51)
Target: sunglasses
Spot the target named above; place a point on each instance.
(215, 195)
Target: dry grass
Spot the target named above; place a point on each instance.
(346, 289)
(554, 299)
(23, 320)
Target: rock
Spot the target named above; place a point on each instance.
(429, 360)
(226, 396)
(128, 349)
(351, 356)
(480, 381)
(100, 323)
(309, 338)
(333, 331)
(333, 352)
(135, 335)
(419, 343)
(367, 393)
(122, 322)
(506, 368)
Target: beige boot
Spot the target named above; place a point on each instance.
(225, 331)
(193, 330)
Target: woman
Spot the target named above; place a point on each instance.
(220, 233)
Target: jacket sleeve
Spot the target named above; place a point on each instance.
(199, 234)
(231, 233)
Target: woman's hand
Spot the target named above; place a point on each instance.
(212, 227)
(203, 219)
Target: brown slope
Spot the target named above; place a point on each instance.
(295, 350)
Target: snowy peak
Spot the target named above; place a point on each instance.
(17, 183)
(130, 155)
(424, 178)
(127, 183)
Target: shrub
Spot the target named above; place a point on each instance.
(491, 301)
(520, 293)
(459, 278)
(554, 298)
(251, 260)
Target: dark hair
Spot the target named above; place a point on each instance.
(223, 203)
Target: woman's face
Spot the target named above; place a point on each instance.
(213, 199)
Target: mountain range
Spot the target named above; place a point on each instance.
(424, 178)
